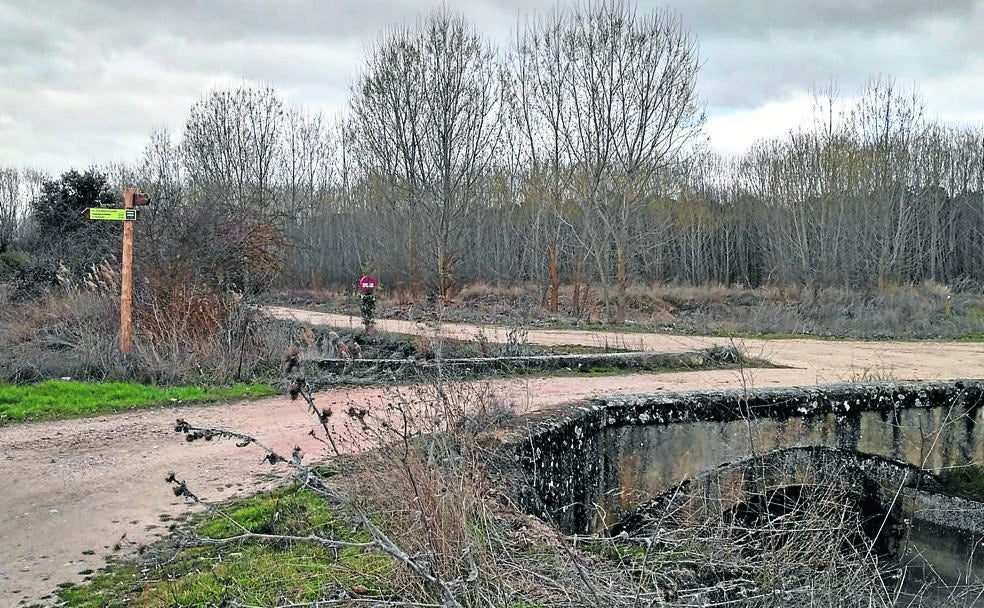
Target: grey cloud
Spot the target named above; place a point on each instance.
(218, 21)
(86, 80)
(759, 17)
(742, 73)
(771, 49)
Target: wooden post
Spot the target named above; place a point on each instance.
(622, 284)
(126, 279)
(554, 279)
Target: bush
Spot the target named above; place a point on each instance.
(64, 230)
(11, 262)
(34, 277)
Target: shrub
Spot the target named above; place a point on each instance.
(64, 230)
(34, 277)
(11, 262)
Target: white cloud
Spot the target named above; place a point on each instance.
(956, 97)
(732, 133)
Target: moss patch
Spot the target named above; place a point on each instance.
(247, 572)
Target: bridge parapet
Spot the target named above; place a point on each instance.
(595, 461)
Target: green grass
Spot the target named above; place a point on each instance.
(250, 573)
(970, 338)
(60, 399)
(965, 480)
(284, 511)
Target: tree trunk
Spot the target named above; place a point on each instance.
(554, 279)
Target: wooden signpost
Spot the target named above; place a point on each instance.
(127, 215)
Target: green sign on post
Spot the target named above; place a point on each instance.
(119, 215)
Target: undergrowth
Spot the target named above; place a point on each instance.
(927, 311)
(75, 333)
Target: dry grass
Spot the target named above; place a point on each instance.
(479, 291)
(430, 485)
(435, 486)
(60, 336)
(927, 311)
(74, 333)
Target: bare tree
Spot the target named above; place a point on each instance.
(160, 170)
(231, 146)
(10, 207)
(966, 184)
(307, 168)
(231, 149)
(426, 122)
(160, 174)
(308, 191)
(886, 122)
(17, 188)
(609, 96)
(848, 201)
(384, 132)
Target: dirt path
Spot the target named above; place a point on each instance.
(71, 490)
(821, 361)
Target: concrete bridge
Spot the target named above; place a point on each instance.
(592, 464)
(905, 511)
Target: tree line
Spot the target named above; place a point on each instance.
(575, 155)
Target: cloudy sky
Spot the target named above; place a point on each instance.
(84, 82)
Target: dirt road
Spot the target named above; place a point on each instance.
(817, 361)
(71, 490)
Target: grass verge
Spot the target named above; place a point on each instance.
(61, 399)
(246, 572)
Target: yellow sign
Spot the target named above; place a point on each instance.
(99, 213)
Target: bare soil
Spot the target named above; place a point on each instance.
(72, 491)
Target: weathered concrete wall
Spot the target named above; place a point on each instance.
(575, 362)
(903, 509)
(592, 463)
(902, 491)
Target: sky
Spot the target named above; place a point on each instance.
(85, 82)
